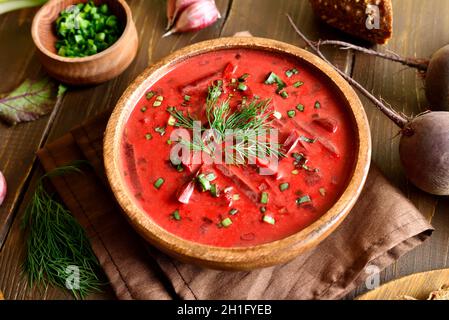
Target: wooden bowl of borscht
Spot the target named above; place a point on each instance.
(237, 153)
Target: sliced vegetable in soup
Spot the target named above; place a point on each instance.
(238, 147)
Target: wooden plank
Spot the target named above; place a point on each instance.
(420, 27)
(17, 144)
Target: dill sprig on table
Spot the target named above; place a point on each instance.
(56, 242)
(248, 123)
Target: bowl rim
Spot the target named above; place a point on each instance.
(235, 258)
(37, 39)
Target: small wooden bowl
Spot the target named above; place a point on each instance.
(241, 258)
(94, 69)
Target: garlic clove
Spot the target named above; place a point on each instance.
(198, 15)
(171, 8)
(175, 8)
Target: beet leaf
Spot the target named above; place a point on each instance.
(29, 101)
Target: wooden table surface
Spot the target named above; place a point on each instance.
(420, 27)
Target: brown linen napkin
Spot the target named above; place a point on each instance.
(382, 226)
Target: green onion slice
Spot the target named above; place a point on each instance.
(171, 121)
(160, 130)
(298, 156)
(306, 139)
(176, 215)
(303, 199)
(150, 95)
(243, 77)
(268, 219)
(264, 198)
(205, 184)
(158, 183)
(242, 86)
(284, 94)
(274, 79)
(226, 222)
(214, 190)
(291, 72)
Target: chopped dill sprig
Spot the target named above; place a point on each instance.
(182, 121)
(252, 116)
(57, 246)
(249, 122)
(249, 146)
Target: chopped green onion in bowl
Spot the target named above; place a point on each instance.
(85, 29)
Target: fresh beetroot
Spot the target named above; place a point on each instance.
(424, 151)
(424, 145)
(437, 80)
(2, 188)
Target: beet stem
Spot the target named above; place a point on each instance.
(391, 114)
(421, 65)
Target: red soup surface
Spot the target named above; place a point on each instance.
(232, 205)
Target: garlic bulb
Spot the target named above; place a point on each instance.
(174, 9)
(193, 15)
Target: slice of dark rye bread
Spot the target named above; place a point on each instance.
(350, 16)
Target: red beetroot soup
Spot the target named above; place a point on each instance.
(230, 205)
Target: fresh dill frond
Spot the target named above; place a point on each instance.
(214, 93)
(216, 111)
(182, 121)
(249, 145)
(251, 116)
(57, 246)
(217, 116)
(247, 123)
